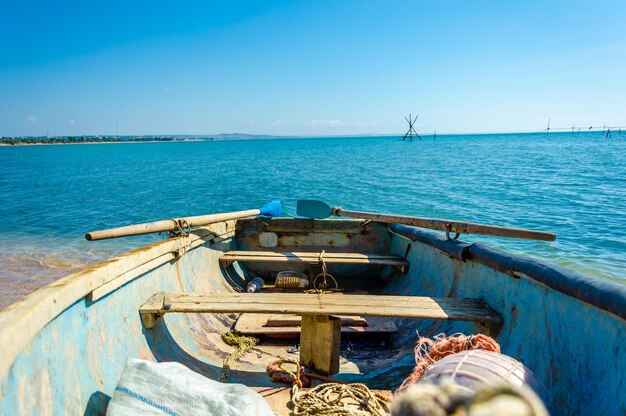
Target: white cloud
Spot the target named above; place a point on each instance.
(321, 123)
(338, 123)
(31, 118)
(327, 123)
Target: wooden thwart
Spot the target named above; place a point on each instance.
(312, 257)
(321, 329)
(328, 304)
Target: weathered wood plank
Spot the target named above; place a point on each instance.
(199, 299)
(313, 257)
(349, 305)
(256, 324)
(156, 302)
(132, 274)
(168, 225)
(449, 225)
(295, 320)
(311, 254)
(320, 339)
(218, 233)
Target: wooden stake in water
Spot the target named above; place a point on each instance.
(411, 131)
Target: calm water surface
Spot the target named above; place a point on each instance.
(572, 185)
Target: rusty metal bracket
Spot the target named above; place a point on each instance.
(449, 230)
(408, 249)
(183, 228)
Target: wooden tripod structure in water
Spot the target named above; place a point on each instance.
(411, 131)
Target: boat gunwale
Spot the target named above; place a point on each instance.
(605, 295)
(21, 321)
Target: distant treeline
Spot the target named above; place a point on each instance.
(81, 139)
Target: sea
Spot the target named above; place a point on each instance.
(571, 184)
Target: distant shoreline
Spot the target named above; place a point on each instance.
(118, 142)
(65, 140)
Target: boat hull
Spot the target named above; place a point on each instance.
(66, 345)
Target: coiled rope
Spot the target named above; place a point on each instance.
(242, 344)
(332, 398)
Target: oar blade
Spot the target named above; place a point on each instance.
(272, 209)
(313, 209)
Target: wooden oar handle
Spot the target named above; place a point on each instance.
(450, 226)
(168, 225)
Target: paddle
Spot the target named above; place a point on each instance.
(271, 209)
(319, 209)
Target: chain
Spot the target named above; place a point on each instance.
(325, 276)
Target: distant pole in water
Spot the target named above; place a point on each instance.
(548, 128)
(411, 131)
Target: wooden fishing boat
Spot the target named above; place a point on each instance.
(64, 347)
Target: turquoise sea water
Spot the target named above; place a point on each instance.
(573, 185)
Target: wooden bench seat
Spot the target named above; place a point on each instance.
(321, 328)
(313, 257)
(329, 304)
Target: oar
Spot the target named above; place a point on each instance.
(319, 209)
(271, 209)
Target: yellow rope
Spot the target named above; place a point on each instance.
(354, 399)
(340, 399)
(242, 344)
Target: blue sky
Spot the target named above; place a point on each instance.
(309, 68)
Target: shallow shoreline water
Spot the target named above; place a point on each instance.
(574, 185)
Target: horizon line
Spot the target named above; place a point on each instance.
(559, 130)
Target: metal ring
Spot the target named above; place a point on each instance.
(448, 230)
(324, 284)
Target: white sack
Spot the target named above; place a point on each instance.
(171, 389)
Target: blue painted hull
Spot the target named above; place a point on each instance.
(65, 350)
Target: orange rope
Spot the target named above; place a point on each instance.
(279, 375)
(428, 351)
